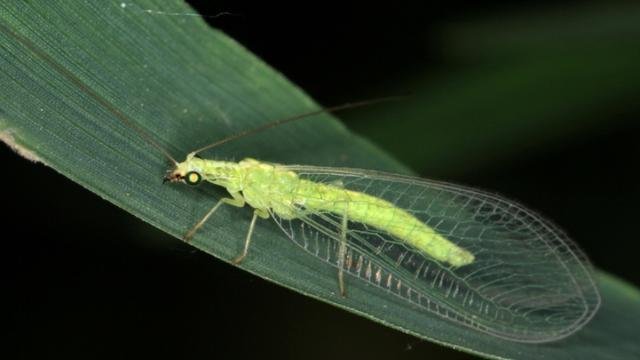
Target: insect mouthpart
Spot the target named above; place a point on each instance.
(172, 176)
(190, 178)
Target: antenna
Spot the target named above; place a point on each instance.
(279, 122)
(145, 135)
(92, 93)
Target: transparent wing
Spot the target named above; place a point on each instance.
(528, 281)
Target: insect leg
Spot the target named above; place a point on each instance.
(256, 212)
(342, 252)
(237, 200)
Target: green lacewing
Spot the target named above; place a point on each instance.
(469, 256)
(472, 257)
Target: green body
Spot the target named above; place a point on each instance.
(273, 187)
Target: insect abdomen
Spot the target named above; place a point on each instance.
(383, 215)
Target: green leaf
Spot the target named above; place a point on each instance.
(533, 78)
(72, 70)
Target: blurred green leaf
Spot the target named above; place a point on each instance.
(69, 69)
(519, 81)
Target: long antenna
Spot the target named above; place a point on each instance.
(145, 135)
(279, 122)
(102, 101)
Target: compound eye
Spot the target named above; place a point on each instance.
(193, 178)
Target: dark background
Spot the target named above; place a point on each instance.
(133, 294)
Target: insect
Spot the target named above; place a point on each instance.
(469, 256)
